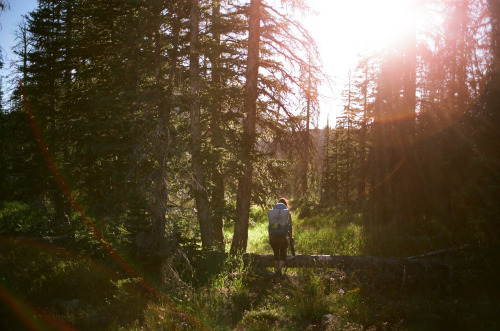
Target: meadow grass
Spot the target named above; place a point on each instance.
(258, 237)
(325, 234)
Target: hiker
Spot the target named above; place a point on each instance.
(280, 232)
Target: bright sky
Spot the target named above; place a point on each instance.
(344, 29)
(9, 20)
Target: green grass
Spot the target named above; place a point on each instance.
(330, 239)
(18, 217)
(326, 234)
(258, 239)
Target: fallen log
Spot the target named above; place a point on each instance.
(379, 273)
(320, 261)
(327, 261)
(434, 253)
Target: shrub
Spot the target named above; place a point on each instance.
(262, 319)
(18, 217)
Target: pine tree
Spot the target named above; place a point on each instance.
(278, 78)
(249, 126)
(44, 77)
(326, 193)
(199, 183)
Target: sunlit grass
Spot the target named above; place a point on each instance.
(343, 239)
(258, 237)
(331, 233)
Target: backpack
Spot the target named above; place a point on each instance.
(278, 220)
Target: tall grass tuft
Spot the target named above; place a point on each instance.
(258, 237)
(329, 233)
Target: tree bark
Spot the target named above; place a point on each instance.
(307, 154)
(200, 191)
(405, 179)
(158, 234)
(363, 135)
(381, 197)
(159, 240)
(218, 203)
(244, 192)
(347, 194)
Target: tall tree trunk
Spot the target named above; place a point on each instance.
(158, 234)
(405, 179)
(60, 204)
(23, 36)
(307, 145)
(461, 78)
(494, 80)
(336, 182)
(200, 191)
(362, 154)
(325, 191)
(384, 161)
(489, 142)
(218, 202)
(162, 238)
(459, 104)
(68, 66)
(347, 194)
(244, 192)
(494, 8)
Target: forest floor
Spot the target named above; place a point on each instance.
(56, 284)
(44, 286)
(462, 296)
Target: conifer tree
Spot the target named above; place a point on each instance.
(272, 39)
(199, 183)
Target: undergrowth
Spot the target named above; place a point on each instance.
(48, 286)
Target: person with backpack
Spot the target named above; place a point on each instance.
(280, 232)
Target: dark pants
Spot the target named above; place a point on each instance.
(279, 245)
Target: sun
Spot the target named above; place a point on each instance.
(384, 22)
(346, 29)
